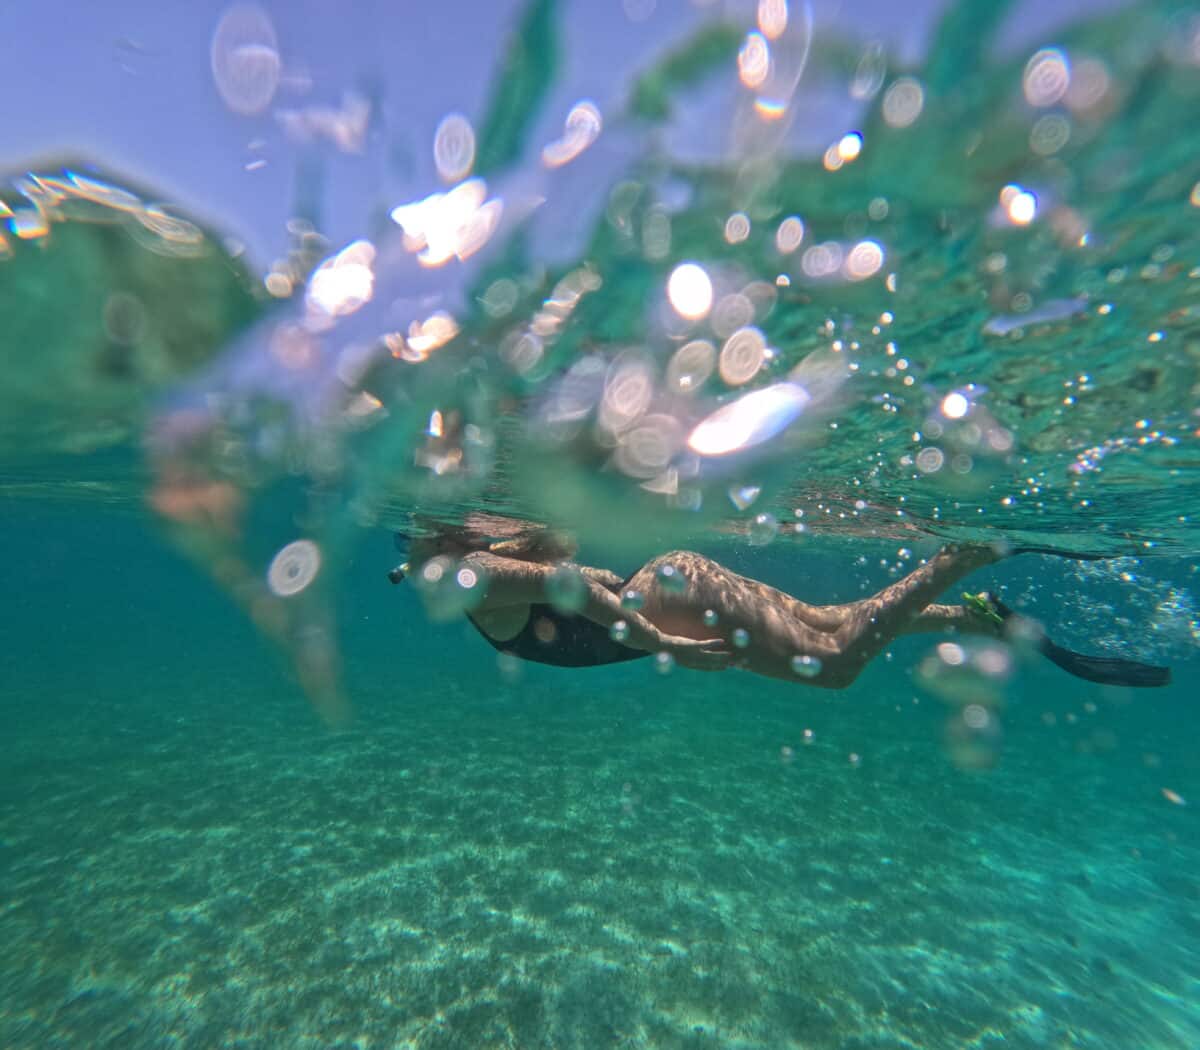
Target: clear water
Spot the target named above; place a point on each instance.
(230, 816)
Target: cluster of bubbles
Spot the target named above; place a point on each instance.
(1147, 617)
(970, 678)
(449, 588)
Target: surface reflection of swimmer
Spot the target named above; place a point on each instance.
(710, 618)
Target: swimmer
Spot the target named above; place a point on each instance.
(709, 618)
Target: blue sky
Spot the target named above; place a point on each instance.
(130, 84)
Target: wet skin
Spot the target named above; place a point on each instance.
(779, 628)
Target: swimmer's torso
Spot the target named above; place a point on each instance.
(542, 634)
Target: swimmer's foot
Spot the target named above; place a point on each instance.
(986, 608)
(1105, 670)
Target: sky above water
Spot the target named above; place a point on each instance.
(131, 85)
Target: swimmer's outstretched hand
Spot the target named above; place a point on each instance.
(706, 654)
(700, 654)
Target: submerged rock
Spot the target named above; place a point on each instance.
(107, 297)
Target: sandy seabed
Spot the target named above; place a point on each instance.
(610, 861)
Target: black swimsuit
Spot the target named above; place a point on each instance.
(562, 640)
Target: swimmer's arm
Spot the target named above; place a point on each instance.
(609, 580)
(512, 582)
(509, 581)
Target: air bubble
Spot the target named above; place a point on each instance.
(567, 589)
(671, 580)
(509, 666)
(763, 529)
(806, 667)
(664, 663)
(930, 460)
(448, 588)
(619, 631)
(711, 618)
(632, 600)
(741, 638)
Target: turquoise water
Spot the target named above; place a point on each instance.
(611, 859)
(252, 796)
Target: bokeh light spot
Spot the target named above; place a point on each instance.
(789, 235)
(955, 405)
(772, 18)
(1047, 77)
(903, 102)
(245, 59)
(850, 146)
(582, 128)
(294, 567)
(454, 147)
(742, 356)
(754, 60)
(864, 260)
(737, 228)
(690, 291)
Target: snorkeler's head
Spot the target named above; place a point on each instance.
(417, 549)
(511, 538)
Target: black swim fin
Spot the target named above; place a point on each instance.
(1068, 555)
(1107, 670)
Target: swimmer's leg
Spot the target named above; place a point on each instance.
(874, 622)
(680, 587)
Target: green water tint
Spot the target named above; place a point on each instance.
(1070, 343)
(525, 76)
(1130, 175)
(612, 859)
(1080, 430)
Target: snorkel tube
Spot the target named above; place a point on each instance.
(397, 574)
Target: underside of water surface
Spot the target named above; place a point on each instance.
(780, 293)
